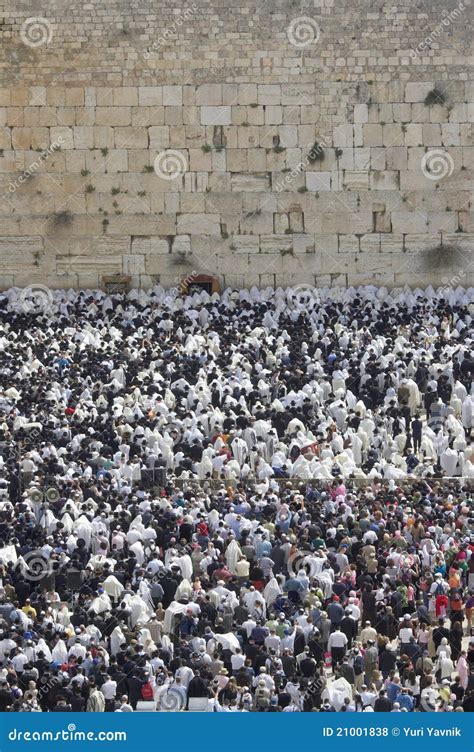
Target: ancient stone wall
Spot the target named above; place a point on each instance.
(268, 142)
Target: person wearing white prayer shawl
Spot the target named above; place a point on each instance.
(82, 528)
(449, 462)
(232, 555)
(62, 615)
(59, 653)
(101, 603)
(113, 587)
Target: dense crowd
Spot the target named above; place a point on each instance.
(259, 501)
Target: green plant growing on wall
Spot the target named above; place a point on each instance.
(115, 191)
(148, 168)
(104, 151)
(90, 188)
(206, 148)
(84, 173)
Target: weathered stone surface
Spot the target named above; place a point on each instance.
(239, 114)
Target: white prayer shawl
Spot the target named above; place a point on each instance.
(251, 598)
(117, 638)
(59, 652)
(170, 557)
(8, 553)
(48, 522)
(101, 604)
(213, 519)
(83, 529)
(325, 581)
(173, 610)
(67, 522)
(42, 645)
(186, 566)
(337, 691)
(137, 549)
(98, 561)
(144, 638)
(94, 632)
(144, 592)
(227, 641)
(113, 587)
(62, 616)
(141, 613)
(167, 645)
(272, 591)
(232, 555)
(137, 524)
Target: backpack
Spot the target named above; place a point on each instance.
(147, 691)
(439, 590)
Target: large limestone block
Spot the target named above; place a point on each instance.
(133, 264)
(245, 183)
(355, 180)
(318, 181)
(245, 244)
(113, 116)
(385, 180)
(150, 95)
(209, 94)
(269, 94)
(361, 113)
(202, 224)
(417, 91)
(409, 222)
(276, 243)
(216, 115)
(124, 96)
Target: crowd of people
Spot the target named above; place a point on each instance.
(255, 501)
